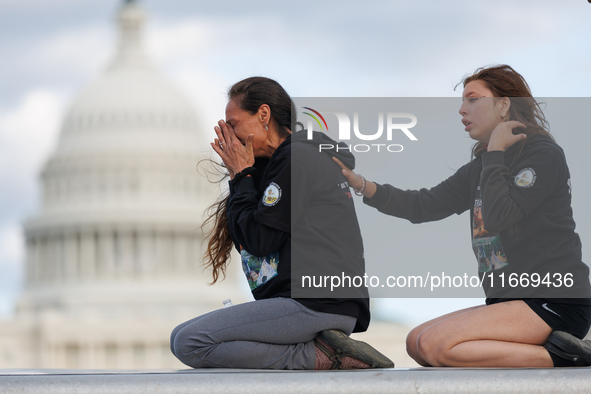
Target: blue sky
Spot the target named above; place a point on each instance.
(50, 50)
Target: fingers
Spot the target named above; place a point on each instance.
(340, 163)
(219, 133)
(248, 145)
(235, 154)
(504, 136)
(219, 143)
(225, 135)
(346, 170)
(222, 134)
(217, 150)
(518, 137)
(521, 136)
(353, 179)
(514, 124)
(228, 134)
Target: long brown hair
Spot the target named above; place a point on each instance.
(220, 243)
(503, 81)
(250, 94)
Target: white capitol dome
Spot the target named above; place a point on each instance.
(128, 142)
(114, 253)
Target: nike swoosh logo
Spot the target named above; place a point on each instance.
(545, 306)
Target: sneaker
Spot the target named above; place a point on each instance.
(343, 352)
(569, 347)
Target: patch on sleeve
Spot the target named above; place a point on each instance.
(272, 195)
(526, 177)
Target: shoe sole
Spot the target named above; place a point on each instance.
(356, 349)
(570, 344)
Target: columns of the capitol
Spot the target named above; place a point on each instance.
(30, 263)
(40, 267)
(124, 253)
(182, 253)
(105, 253)
(87, 254)
(114, 254)
(66, 256)
(146, 251)
(71, 259)
(54, 257)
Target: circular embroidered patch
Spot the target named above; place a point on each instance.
(272, 194)
(526, 177)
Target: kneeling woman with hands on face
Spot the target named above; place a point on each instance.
(277, 331)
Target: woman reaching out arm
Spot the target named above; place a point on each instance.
(517, 189)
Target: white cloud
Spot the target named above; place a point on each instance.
(81, 51)
(11, 257)
(11, 244)
(182, 51)
(389, 48)
(28, 132)
(174, 42)
(6, 306)
(34, 3)
(188, 52)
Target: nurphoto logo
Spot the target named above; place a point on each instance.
(391, 125)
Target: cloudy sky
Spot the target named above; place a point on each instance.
(51, 49)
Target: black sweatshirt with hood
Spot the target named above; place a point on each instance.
(295, 218)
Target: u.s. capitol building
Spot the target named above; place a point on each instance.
(113, 257)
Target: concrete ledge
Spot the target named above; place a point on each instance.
(396, 380)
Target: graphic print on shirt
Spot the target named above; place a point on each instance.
(487, 246)
(345, 187)
(259, 270)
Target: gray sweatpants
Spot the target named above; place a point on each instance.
(276, 333)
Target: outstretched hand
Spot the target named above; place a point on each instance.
(356, 180)
(234, 154)
(502, 136)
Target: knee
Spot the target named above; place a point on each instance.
(189, 347)
(411, 343)
(432, 348)
(412, 346)
(173, 335)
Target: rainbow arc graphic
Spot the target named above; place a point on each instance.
(316, 119)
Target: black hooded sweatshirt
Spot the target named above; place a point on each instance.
(295, 217)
